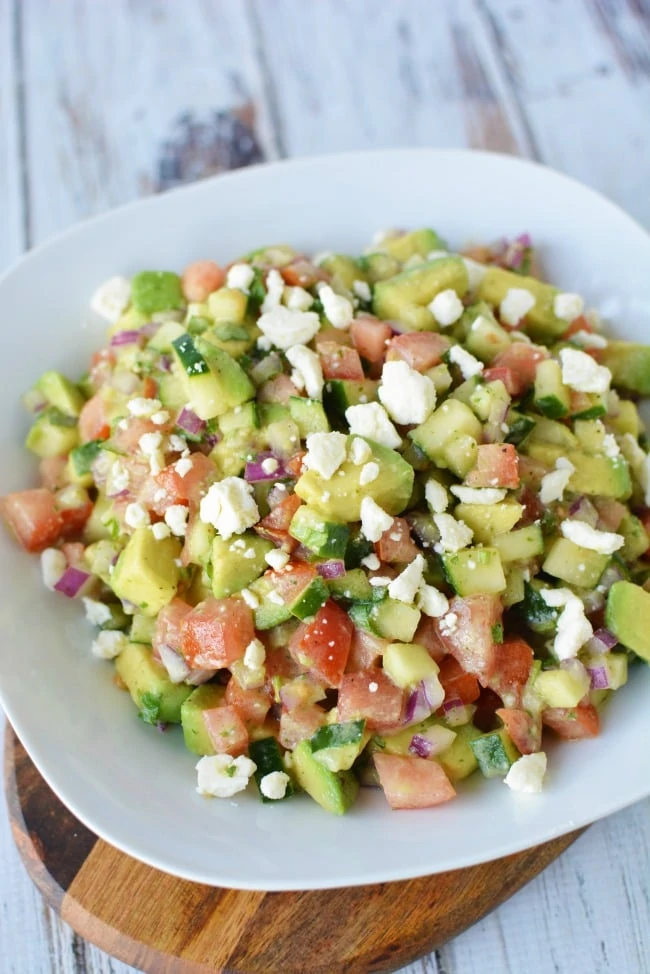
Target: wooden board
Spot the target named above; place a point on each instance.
(168, 926)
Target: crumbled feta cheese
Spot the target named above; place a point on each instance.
(436, 496)
(431, 601)
(568, 306)
(297, 299)
(276, 559)
(604, 542)
(407, 396)
(454, 534)
(284, 327)
(516, 305)
(240, 276)
(405, 586)
(360, 452)
(371, 420)
(475, 272)
(275, 597)
(274, 785)
(111, 298)
(448, 624)
(229, 506)
(582, 373)
(269, 465)
(437, 254)
(255, 655)
(373, 687)
(555, 483)
(338, 310)
(446, 307)
(479, 495)
(274, 290)
(527, 774)
(53, 565)
(371, 562)
(160, 418)
(250, 598)
(176, 519)
(307, 369)
(109, 644)
(142, 407)
(222, 776)
(119, 477)
(381, 581)
(611, 448)
(325, 453)
(183, 466)
(588, 339)
(362, 290)
(150, 443)
(573, 627)
(135, 516)
(374, 520)
(369, 473)
(160, 531)
(468, 365)
(96, 612)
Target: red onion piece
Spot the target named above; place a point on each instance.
(129, 337)
(452, 705)
(583, 510)
(197, 677)
(189, 421)
(334, 568)
(420, 746)
(71, 582)
(599, 677)
(255, 473)
(601, 641)
(165, 363)
(434, 693)
(177, 668)
(34, 401)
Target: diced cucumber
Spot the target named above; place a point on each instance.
(521, 545)
(337, 746)
(551, 397)
(494, 752)
(266, 754)
(394, 620)
(214, 382)
(574, 564)
(53, 434)
(155, 696)
(61, 393)
(485, 336)
(475, 571)
(344, 271)
(326, 538)
(195, 733)
(338, 394)
(450, 436)
(519, 425)
(244, 417)
(489, 399)
(537, 615)
(489, 521)
(354, 586)
(335, 792)
(407, 664)
(308, 415)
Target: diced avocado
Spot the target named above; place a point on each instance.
(542, 321)
(475, 571)
(550, 431)
(515, 584)
(551, 397)
(489, 400)
(601, 476)
(459, 761)
(206, 697)
(485, 336)
(198, 543)
(232, 566)
(494, 752)
(80, 461)
(102, 524)
(636, 537)
(53, 434)
(354, 586)
(309, 416)
(420, 242)
(228, 304)
(407, 664)
(142, 629)
(326, 538)
(574, 564)
(489, 521)
(146, 572)
(379, 266)
(340, 497)
(282, 436)
(394, 620)
(230, 337)
(629, 364)
(335, 792)
(272, 610)
(405, 297)
(60, 392)
(450, 436)
(521, 545)
(168, 332)
(344, 271)
(627, 616)
(214, 382)
(337, 746)
(562, 688)
(153, 291)
(155, 696)
(244, 417)
(627, 419)
(338, 394)
(267, 756)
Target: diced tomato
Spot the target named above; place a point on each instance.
(169, 623)
(279, 389)
(291, 581)
(610, 513)
(149, 388)
(202, 278)
(515, 384)
(189, 488)
(411, 782)
(426, 635)
(299, 724)
(323, 646)
(524, 729)
(370, 336)
(93, 420)
(101, 368)
(303, 691)
(251, 705)
(578, 324)
(365, 651)
(226, 730)
(52, 472)
(340, 362)
(580, 402)
(457, 684)
(466, 632)
(275, 526)
(573, 724)
(33, 517)
(497, 466)
(396, 544)
(523, 359)
(513, 659)
(127, 439)
(293, 465)
(420, 349)
(529, 499)
(373, 696)
(280, 662)
(75, 507)
(216, 633)
(302, 273)
(486, 707)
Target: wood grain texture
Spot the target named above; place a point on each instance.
(170, 926)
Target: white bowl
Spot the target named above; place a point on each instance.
(134, 787)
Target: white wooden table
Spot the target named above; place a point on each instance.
(104, 100)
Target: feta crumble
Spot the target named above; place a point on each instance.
(222, 776)
(285, 328)
(274, 291)
(555, 483)
(475, 272)
(468, 365)
(111, 298)
(446, 307)
(240, 277)
(454, 534)
(580, 533)
(362, 290)
(269, 465)
(160, 531)
(177, 444)
(432, 601)
(516, 305)
(254, 655)
(582, 373)
(371, 420)
(405, 586)
(371, 562)
(479, 495)
(527, 774)
(611, 448)
(250, 598)
(53, 565)
(135, 516)
(374, 520)
(119, 477)
(573, 627)
(298, 299)
(229, 506)
(588, 339)
(142, 407)
(338, 310)
(150, 443)
(436, 496)
(96, 612)
(109, 644)
(568, 306)
(176, 519)
(276, 559)
(407, 396)
(183, 466)
(325, 453)
(369, 473)
(307, 369)
(274, 785)
(360, 452)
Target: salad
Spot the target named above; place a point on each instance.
(379, 520)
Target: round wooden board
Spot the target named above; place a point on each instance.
(165, 925)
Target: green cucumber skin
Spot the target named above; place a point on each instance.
(337, 735)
